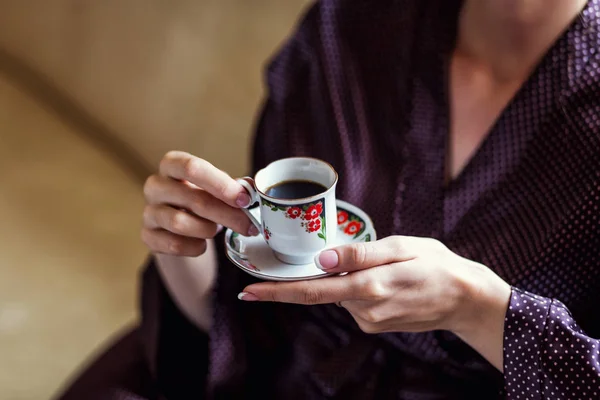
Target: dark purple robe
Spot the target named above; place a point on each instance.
(364, 86)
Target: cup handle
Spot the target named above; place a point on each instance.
(250, 186)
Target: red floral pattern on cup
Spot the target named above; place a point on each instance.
(310, 215)
(267, 233)
(313, 226)
(313, 211)
(342, 217)
(293, 212)
(249, 265)
(353, 228)
(350, 224)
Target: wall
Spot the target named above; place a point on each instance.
(70, 252)
(183, 74)
(158, 74)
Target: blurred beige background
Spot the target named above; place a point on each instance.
(86, 87)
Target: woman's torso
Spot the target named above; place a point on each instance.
(364, 86)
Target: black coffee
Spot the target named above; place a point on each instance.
(296, 189)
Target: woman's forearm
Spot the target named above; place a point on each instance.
(189, 281)
(484, 330)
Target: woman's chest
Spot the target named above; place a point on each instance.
(536, 223)
(476, 100)
(526, 205)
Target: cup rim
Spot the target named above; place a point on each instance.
(304, 199)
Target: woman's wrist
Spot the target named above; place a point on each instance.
(479, 321)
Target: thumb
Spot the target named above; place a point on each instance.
(364, 255)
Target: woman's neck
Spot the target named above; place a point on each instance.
(510, 36)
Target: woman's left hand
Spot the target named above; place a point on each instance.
(405, 284)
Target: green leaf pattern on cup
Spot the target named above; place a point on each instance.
(232, 241)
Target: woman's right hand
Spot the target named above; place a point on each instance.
(186, 201)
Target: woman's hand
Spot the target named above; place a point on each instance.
(186, 201)
(405, 284)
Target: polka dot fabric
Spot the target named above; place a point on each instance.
(363, 85)
(547, 355)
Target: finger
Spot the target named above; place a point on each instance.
(373, 312)
(163, 242)
(178, 221)
(184, 166)
(393, 325)
(318, 291)
(370, 327)
(364, 255)
(164, 190)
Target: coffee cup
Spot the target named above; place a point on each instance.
(297, 204)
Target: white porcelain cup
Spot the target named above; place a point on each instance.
(295, 229)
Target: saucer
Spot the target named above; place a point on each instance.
(253, 256)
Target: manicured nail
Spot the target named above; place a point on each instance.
(243, 200)
(327, 259)
(247, 296)
(253, 231)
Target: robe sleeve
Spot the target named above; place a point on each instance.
(286, 124)
(546, 354)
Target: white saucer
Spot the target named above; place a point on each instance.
(253, 256)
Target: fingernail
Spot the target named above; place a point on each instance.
(327, 259)
(245, 296)
(253, 231)
(243, 200)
